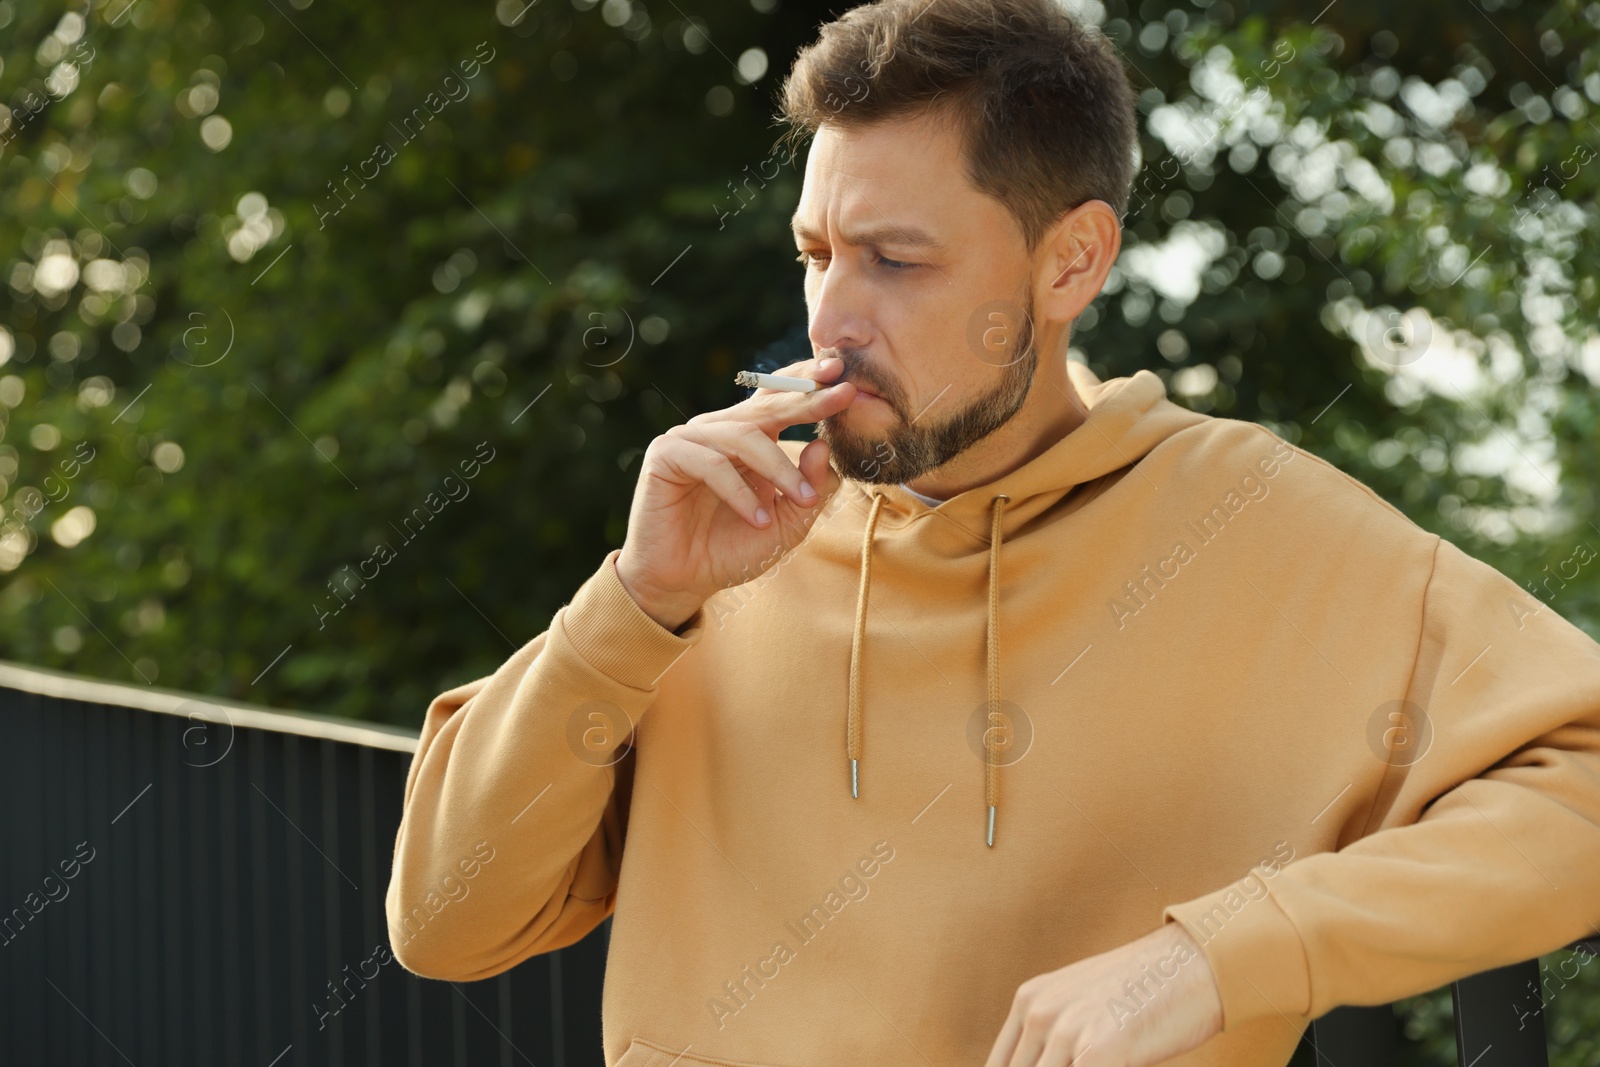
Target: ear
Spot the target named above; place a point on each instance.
(1077, 254)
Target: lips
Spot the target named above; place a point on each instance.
(863, 394)
(871, 398)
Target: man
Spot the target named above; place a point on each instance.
(1022, 718)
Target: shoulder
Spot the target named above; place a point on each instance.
(1220, 454)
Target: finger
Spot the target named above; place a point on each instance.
(695, 463)
(765, 491)
(1004, 1045)
(825, 369)
(1033, 1037)
(1064, 1051)
(774, 410)
(750, 445)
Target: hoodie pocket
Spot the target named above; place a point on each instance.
(641, 1053)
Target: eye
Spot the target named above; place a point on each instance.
(807, 258)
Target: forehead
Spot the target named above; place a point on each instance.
(899, 182)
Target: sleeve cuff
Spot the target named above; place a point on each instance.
(609, 629)
(1255, 953)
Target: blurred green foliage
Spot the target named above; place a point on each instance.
(294, 418)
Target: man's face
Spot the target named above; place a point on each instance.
(921, 285)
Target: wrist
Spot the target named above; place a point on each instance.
(1174, 942)
(669, 611)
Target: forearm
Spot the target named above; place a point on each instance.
(1486, 849)
(520, 763)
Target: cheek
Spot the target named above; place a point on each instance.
(942, 369)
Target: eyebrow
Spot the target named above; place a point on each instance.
(876, 236)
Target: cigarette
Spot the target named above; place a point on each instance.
(756, 380)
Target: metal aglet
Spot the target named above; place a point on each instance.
(855, 780)
(991, 825)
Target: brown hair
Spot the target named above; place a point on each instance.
(1043, 104)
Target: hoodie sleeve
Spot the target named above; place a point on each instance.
(510, 839)
(1489, 851)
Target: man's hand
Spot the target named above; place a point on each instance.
(1136, 1005)
(719, 500)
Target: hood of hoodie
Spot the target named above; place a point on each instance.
(1126, 419)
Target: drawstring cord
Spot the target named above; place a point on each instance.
(991, 776)
(853, 724)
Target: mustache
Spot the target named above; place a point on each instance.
(855, 373)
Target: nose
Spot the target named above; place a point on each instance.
(838, 305)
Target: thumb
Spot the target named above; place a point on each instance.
(818, 471)
(820, 475)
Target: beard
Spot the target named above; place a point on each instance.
(910, 449)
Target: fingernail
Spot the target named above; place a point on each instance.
(806, 492)
(762, 516)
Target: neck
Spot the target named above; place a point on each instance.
(1052, 410)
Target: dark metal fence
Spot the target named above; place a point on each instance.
(187, 881)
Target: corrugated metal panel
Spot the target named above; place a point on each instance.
(226, 888)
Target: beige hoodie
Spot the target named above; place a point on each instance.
(1172, 669)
